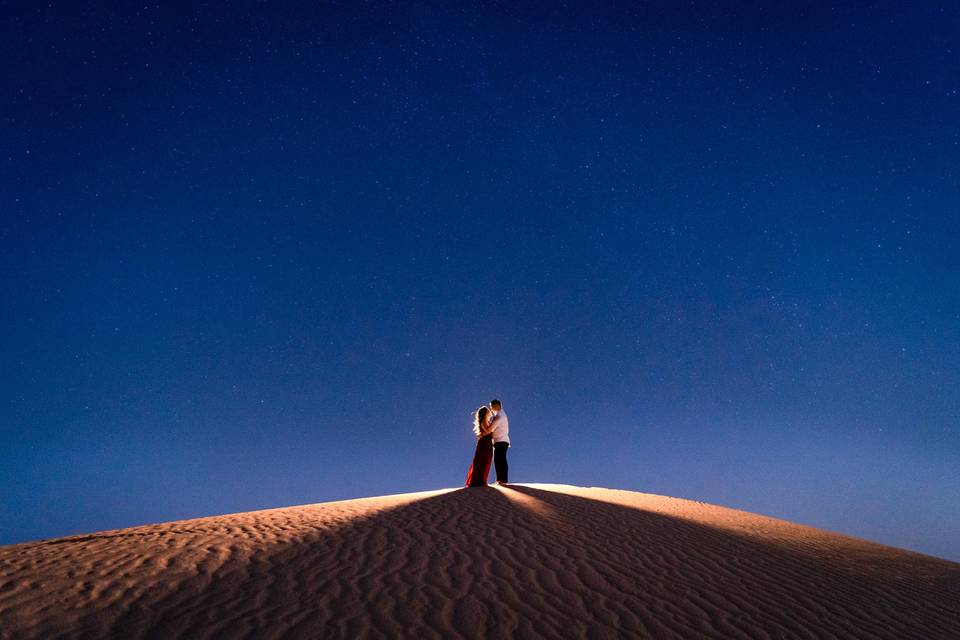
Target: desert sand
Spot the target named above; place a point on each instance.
(526, 561)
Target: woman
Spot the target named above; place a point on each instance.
(480, 469)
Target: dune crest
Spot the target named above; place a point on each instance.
(546, 561)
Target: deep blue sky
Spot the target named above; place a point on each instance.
(257, 256)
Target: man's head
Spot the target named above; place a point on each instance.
(495, 405)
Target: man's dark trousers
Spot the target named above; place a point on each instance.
(500, 460)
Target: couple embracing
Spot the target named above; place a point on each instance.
(492, 429)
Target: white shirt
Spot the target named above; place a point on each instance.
(500, 427)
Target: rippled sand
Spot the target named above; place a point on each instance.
(526, 561)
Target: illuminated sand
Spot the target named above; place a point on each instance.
(531, 561)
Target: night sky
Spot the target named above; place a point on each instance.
(260, 255)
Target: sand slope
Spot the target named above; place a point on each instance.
(529, 561)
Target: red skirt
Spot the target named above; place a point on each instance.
(480, 469)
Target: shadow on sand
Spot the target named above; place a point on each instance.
(526, 562)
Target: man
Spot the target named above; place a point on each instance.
(501, 440)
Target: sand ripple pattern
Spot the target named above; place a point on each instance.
(528, 561)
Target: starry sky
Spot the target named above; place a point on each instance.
(257, 255)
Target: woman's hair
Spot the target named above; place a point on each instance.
(480, 418)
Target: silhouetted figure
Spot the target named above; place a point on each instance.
(480, 469)
(500, 429)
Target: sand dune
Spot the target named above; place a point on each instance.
(544, 561)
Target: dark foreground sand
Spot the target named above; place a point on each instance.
(545, 561)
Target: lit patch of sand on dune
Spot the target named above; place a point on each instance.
(535, 505)
(854, 554)
(550, 561)
(70, 586)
